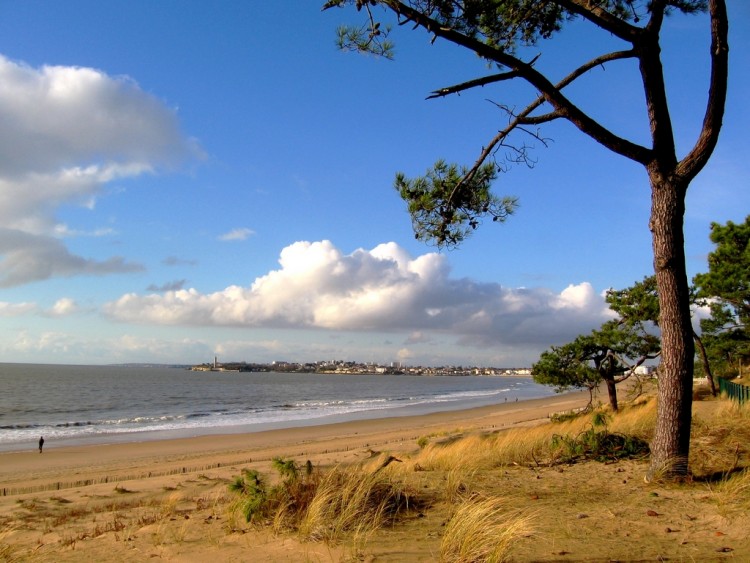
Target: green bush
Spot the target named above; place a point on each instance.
(251, 487)
(283, 502)
(599, 445)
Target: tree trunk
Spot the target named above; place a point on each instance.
(706, 363)
(612, 392)
(671, 443)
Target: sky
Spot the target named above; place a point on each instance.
(186, 179)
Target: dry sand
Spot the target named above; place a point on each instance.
(168, 499)
(63, 467)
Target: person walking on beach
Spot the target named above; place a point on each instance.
(41, 443)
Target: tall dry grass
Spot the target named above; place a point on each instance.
(732, 494)
(350, 500)
(8, 552)
(483, 529)
(720, 440)
(354, 502)
(528, 446)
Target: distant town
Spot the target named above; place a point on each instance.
(348, 367)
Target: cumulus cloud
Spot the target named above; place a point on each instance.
(64, 307)
(383, 289)
(236, 234)
(47, 342)
(67, 132)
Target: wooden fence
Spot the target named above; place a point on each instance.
(740, 393)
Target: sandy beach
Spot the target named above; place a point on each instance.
(61, 468)
(170, 499)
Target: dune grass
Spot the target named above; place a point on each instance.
(525, 493)
(483, 529)
(321, 507)
(355, 501)
(531, 446)
(720, 442)
(350, 500)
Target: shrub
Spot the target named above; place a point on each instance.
(252, 490)
(284, 503)
(599, 445)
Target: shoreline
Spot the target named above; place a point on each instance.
(64, 467)
(74, 407)
(162, 434)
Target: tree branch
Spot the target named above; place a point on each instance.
(551, 94)
(539, 119)
(483, 81)
(600, 18)
(524, 118)
(455, 89)
(697, 158)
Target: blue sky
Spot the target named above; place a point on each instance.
(184, 179)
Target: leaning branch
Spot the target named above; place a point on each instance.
(697, 158)
(539, 119)
(632, 368)
(525, 118)
(483, 81)
(600, 18)
(551, 94)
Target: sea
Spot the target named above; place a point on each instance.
(77, 405)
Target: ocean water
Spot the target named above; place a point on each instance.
(103, 404)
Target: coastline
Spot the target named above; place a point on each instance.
(73, 406)
(171, 499)
(62, 467)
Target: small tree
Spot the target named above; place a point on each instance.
(610, 354)
(726, 289)
(446, 207)
(639, 305)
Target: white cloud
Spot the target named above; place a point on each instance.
(65, 347)
(384, 290)
(16, 309)
(64, 307)
(132, 348)
(67, 132)
(404, 355)
(237, 234)
(253, 348)
(63, 231)
(417, 337)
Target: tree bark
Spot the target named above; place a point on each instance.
(706, 363)
(612, 392)
(671, 444)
